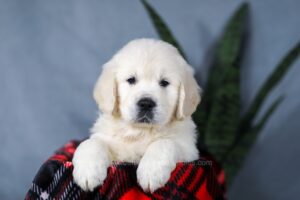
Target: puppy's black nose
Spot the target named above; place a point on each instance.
(146, 104)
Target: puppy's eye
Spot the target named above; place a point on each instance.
(131, 80)
(163, 83)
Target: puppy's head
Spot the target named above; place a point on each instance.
(147, 83)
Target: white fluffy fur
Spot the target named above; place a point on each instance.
(116, 136)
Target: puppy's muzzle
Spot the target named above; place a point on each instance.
(145, 110)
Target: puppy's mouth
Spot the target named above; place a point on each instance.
(145, 117)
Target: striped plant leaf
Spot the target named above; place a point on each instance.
(267, 87)
(261, 124)
(234, 158)
(222, 93)
(161, 27)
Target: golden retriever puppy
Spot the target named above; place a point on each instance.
(146, 94)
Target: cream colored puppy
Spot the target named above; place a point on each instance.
(147, 94)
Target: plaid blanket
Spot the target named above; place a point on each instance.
(201, 179)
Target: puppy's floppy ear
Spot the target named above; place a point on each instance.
(189, 95)
(105, 90)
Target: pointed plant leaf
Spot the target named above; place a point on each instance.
(228, 54)
(268, 114)
(161, 27)
(233, 159)
(222, 94)
(267, 87)
(228, 50)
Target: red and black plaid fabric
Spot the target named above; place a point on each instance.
(201, 179)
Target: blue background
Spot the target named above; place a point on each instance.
(51, 54)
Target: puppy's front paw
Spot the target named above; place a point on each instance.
(89, 175)
(90, 163)
(152, 174)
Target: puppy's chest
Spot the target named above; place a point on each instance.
(129, 149)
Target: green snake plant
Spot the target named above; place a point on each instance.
(226, 134)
